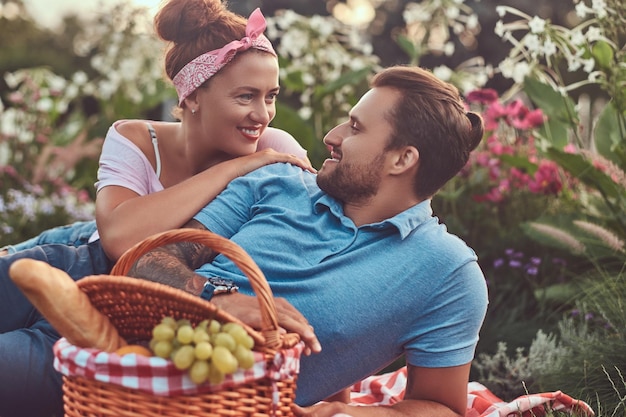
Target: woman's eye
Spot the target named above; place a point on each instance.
(246, 96)
(271, 97)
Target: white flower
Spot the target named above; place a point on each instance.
(537, 25)
(594, 33)
(305, 112)
(549, 48)
(599, 8)
(472, 21)
(452, 13)
(442, 72)
(573, 64)
(581, 10)
(507, 67)
(532, 43)
(44, 105)
(499, 29)
(448, 48)
(576, 37)
(321, 25)
(521, 70)
(308, 78)
(79, 78)
(501, 10)
(588, 64)
(414, 12)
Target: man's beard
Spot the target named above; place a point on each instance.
(352, 183)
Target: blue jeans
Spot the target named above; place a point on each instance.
(29, 384)
(74, 234)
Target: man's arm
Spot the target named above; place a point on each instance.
(174, 264)
(430, 392)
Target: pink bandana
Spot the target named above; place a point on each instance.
(196, 72)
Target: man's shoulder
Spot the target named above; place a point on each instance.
(281, 169)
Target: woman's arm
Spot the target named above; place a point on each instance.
(126, 217)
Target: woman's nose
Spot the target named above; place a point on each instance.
(263, 113)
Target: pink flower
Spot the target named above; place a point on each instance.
(546, 180)
(570, 148)
(482, 96)
(493, 114)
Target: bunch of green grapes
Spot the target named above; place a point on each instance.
(208, 351)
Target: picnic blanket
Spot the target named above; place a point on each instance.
(387, 389)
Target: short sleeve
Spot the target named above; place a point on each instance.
(123, 164)
(281, 141)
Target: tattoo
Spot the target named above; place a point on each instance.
(173, 264)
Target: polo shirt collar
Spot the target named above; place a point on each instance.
(405, 222)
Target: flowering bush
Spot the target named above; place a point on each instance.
(50, 142)
(504, 171)
(593, 151)
(432, 27)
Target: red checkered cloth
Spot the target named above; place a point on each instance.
(389, 388)
(159, 376)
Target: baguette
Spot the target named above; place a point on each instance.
(68, 309)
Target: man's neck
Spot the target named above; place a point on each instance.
(378, 208)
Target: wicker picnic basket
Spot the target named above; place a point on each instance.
(135, 306)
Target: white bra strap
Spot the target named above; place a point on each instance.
(155, 143)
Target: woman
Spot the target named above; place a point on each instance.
(155, 176)
(222, 125)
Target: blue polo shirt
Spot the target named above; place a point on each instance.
(401, 286)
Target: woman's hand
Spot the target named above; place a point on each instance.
(249, 163)
(246, 308)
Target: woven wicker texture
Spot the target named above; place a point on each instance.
(135, 306)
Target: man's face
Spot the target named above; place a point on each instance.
(354, 171)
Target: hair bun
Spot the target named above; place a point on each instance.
(181, 21)
(477, 129)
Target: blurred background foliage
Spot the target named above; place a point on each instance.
(541, 200)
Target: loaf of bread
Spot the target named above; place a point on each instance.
(68, 309)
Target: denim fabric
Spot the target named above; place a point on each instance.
(74, 234)
(29, 385)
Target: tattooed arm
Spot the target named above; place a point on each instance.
(174, 264)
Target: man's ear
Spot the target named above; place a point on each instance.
(404, 159)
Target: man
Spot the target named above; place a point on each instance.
(357, 251)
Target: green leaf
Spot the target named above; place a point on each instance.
(407, 46)
(607, 134)
(561, 293)
(519, 162)
(554, 105)
(555, 132)
(603, 54)
(349, 78)
(586, 172)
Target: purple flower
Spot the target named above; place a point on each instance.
(515, 264)
(531, 270)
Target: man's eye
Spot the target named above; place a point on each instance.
(353, 127)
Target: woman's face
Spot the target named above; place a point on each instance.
(239, 102)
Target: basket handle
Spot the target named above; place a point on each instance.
(232, 251)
